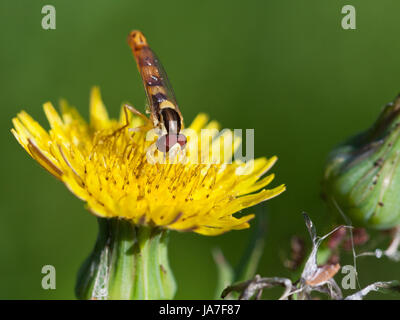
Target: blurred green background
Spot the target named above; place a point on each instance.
(285, 68)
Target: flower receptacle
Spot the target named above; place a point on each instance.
(127, 262)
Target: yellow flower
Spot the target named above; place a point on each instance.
(104, 163)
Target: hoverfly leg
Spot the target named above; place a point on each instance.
(127, 119)
(137, 113)
(116, 131)
(134, 111)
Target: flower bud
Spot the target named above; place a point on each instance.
(362, 176)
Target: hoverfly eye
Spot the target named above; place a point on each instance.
(181, 140)
(167, 141)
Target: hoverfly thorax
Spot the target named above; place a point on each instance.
(164, 111)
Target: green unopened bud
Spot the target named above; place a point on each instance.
(363, 175)
(127, 262)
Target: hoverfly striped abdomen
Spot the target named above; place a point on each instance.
(164, 111)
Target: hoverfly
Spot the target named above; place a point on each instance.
(164, 111)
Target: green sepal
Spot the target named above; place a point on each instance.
(128, 262)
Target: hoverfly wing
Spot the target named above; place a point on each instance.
(155, 80)
(166, 83)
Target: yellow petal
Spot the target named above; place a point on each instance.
(98, 113)
(52, 116)
(106, 165)
(199, 122)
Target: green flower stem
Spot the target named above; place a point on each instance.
(127, 262)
